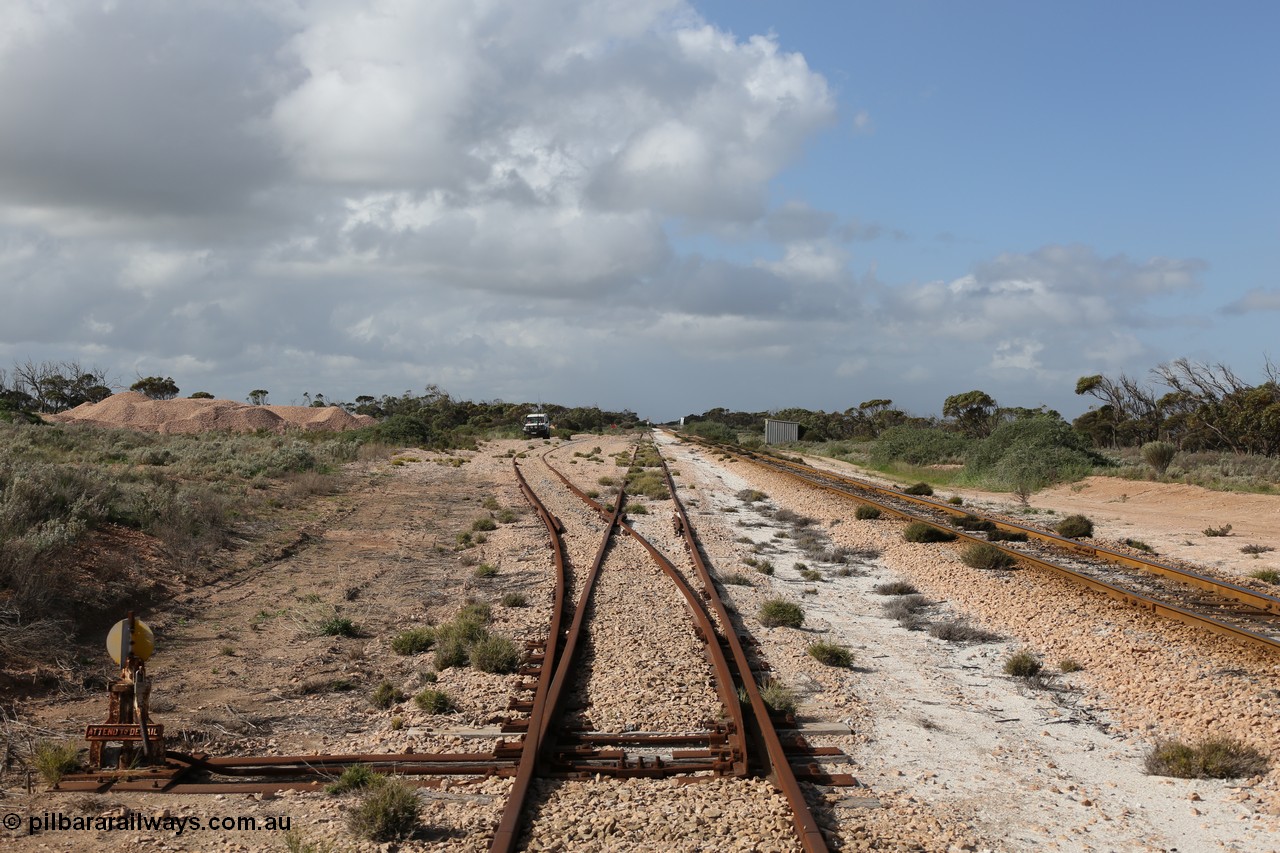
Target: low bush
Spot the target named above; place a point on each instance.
(55, 759)
(779, 697)
(972, 522)
(960, 631)
(354, 778)
(955, 500)
(918, 489)
(866, 512)
(496, 654)
(485, 523)
(811, 574)
(778, 612)
(1022, 664)
(387, 812)
(982, 556)
(1139, 545)
(906, 609)
(1211, 758)
(1255, 550)
(999, 535)
(434, 701)
(515, 599)
(751, 496)
(1074, 527)
(918, 531)
(831, 654)
(737, 579)
(894, 588)
(1158, 454)
(385, 695)
(1268, 575)
(450, 652)
(1069, 665)
(1224, 530)
(338, 626)
(485, 570)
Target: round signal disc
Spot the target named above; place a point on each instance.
(142, 640)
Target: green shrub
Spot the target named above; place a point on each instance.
(1022, 664)
(475, 612)
(811, 574)
(1139, 545)
(982, 556)
(972, 522)
(1211, 758)
(485, 570)
(831, 654)
(866, 512)
(338, 626)
(955, 500)
(918, 489)
(387, 812)
(894, 588)
(778, 612)
(1074, 527)
(385, 695)
(1268, 575)
(496, 654)
(1029, 454)
(999, 535)
(1158, 454)
(737, 579)
(413, 641)
(354, 777)
(916, 446)
(918, 531)
(515, 599)
(451, 651)
(55, 759)
(485, 523)
(779, 697)
(434, 701)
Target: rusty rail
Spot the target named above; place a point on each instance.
(1169, 610)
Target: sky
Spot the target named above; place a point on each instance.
(659, 205)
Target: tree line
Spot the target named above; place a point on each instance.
(1190, 405)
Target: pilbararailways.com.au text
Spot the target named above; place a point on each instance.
(139, 822)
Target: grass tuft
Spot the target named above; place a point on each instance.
(866, 512)
(1074, 527)
(434, 701)
(385, 695)
(918, 531)
(412, 642)
(918, 489)
(894, 588)
(778, 612)
(55, 759)
(982, 556)
(960, 631)
(387, 812)
(1022, 664)
(1211, 758)
(831, 654)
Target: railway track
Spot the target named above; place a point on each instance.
(741, 739)
(1195, 599)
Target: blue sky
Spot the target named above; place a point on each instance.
(653, 204)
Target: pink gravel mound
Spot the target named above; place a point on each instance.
(133, 410)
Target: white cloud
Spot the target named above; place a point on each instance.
(1255, 300)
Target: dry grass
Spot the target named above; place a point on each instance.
(1211, 758)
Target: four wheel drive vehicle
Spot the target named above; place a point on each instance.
(537, 425)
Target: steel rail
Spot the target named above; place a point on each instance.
(508, 831)
(702, 619)
(705, 625)
(780, 771)
(1145, 602)
(1244, 595)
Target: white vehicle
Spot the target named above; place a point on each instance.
(537, 425)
